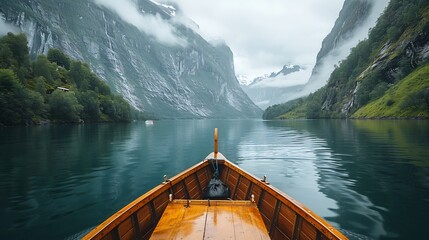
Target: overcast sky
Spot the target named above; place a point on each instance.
(264, 35)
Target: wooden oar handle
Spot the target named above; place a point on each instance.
(215, 143)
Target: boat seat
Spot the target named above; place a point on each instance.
(210, 219)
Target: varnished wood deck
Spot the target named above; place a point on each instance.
(215, 219)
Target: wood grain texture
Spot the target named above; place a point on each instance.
(211, 220)
(283, 216)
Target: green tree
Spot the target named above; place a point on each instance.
(18, 46)
(41, 86)
(30, 105)
(378, 91)
(79, 74)
(42, 67)
(8, 81)
(27, 89)
(417, 101)
(18, 105)
(91, 106)
(20, 60)
(99, 86)
(58, 57)
(116, 108)
(313, 110)
(6, 56)
(64, 106)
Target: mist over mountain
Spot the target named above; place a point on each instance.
(146, 51)
(272, 88)
(384, 76)
(355, 19)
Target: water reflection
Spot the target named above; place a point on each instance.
(361, 176)
(45, 173)
(377, 169)
(304, 166)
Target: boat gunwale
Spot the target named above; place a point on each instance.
(321, 224)
(118, 217)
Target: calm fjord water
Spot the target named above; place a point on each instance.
(368, 178)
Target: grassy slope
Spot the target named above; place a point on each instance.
(397, 94)
(297, 113)
(417, 80)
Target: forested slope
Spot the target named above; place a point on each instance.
(385, 76)
(52, 88)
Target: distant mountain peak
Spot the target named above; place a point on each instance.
(287, 69)
(244, 79)
(270, 88)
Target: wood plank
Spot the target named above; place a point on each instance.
(248, 223)
(224, 171)
(256, 191)
(192, 186)
(267, 207)
(219, 223)
(193, 223)
(308, 232)
(179, 191)
(286, 221)
(242, 189)
(217, 219)
(144, 218)
(160, 202)
(203, 178)
(232, 181)
(125, 230)
(169, 223)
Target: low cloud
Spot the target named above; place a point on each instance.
(5, 28)
(327, 64)
(265, 35)
(343, 49)
(152, 25)
(292, 79)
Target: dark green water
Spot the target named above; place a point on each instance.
(368, 178)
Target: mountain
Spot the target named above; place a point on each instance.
(385, 76)
(52, 89)
(355, 19)
(244, 80)
(146, 51)
(272, 88)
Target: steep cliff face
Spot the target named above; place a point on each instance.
(355, 19)
(403, 46)
(174, 75)
(385, 76)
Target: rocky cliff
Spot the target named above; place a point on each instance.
(385, 76)
(146, 51)
(354, 21)
(352, 25)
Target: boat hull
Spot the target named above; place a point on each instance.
(284, 217)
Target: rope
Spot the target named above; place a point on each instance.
(215, 166)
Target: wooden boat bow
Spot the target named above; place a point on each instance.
(282, 216)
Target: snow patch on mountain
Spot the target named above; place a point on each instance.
(245, 80)
(168, 9)
(273, 88)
